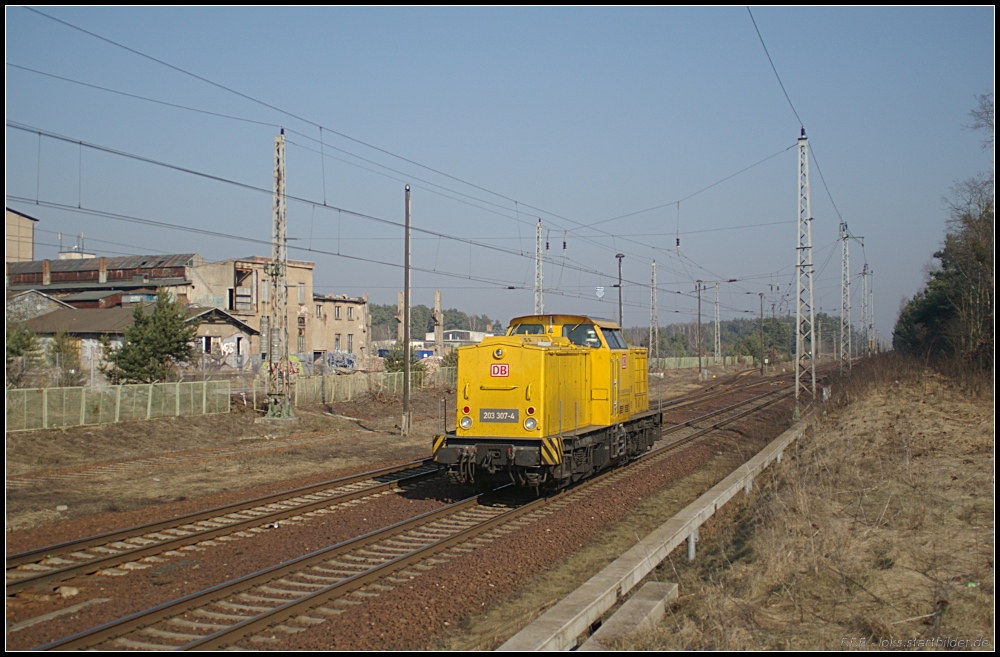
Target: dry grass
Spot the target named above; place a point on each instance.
(879, 531)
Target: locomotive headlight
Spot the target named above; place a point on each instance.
(465, 422)
(530, 424)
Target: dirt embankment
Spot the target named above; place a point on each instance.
(877, 533)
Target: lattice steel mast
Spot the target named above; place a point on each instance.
(845, 297)
(279, 400)
(872, 336)
(805, 318)
(539, 297)
(864, 311)
(654, 320)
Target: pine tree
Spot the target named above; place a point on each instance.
(22, 354)
(394, 361)
(154, 345)
(63, 353)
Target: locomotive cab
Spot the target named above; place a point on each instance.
(554, 400)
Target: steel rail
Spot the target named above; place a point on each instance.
(140, 620)
(722, 423)
(253, 624)
(194, 534)
(711, 414)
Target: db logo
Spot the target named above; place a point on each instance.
(499, 369)
(624, 361)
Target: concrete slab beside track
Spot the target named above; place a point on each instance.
(643, 610)
(570, 620)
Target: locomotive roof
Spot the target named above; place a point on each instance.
(559, 318)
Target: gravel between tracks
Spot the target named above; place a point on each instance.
(438, 611)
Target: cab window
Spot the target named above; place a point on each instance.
(614, 338)
(527, 329)
(584, 335)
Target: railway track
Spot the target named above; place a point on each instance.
(55, 563)
(48, 565)
(296, 595)
(301, 592)
(719, 418)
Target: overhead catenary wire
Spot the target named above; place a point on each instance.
(318, 125)
(684, 261)
(569, 262)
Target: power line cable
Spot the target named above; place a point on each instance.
(773, 68)
(313, 123)
(692, 195)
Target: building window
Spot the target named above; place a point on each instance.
(302, 293)
(350, 343)
(265, 287)
(336, 312)
(319, 312)
(336, 342)
(206, 344)
(265, 323)
(350, 312)
(302, 343)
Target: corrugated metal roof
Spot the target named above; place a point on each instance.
(121, 262)
(112, 321)
(123, 285)
(92, 295)
(12, 297)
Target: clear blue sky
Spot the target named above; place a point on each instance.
(505, 115)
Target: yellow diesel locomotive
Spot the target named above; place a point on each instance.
(556, 399)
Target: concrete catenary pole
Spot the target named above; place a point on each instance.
(621, 315)
(438, 325)
(405, 424)
(279, 400)
(699, 328)
(718, 325)
(763, 349)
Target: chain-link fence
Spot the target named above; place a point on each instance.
(311, 390)
(47, 408)
(659, 364)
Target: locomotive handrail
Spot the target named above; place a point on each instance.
(504, 388)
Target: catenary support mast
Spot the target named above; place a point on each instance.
(845, 298)
(279, 400)
(718, 325)
(805, 319)
(539, 295)
(654, 320)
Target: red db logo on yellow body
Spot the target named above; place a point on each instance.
(499, 369)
